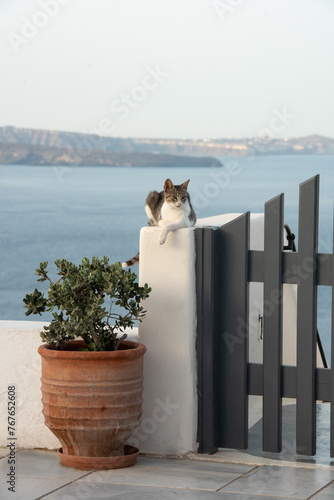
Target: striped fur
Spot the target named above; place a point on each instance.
(170, 209)
(131, 262)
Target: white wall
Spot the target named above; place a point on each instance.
(21, 366)
(169, 332)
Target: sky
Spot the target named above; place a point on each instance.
(168, 68)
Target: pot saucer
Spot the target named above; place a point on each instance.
(89, 463)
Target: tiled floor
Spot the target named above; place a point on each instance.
(40, 476)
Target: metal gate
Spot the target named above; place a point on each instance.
(225, 266)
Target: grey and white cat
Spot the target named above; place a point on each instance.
(170, 209)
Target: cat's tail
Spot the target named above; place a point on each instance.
(131, 262)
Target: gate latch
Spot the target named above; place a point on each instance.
(261, 326)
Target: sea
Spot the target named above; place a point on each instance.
(51, 212)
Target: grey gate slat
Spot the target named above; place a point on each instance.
(233, 239)
(272, 325)
(205, 343)
(307, 316)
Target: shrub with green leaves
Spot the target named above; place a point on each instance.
(79, 298)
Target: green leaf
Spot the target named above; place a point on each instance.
(77, 302)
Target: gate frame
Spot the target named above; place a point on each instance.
(225, 266)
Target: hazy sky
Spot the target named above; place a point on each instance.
(169, 68)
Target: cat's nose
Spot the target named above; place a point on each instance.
(178, 204)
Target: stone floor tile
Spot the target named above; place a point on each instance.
(187, 464)
(164, 477)
(29, 488)
(41, 464)
(282, 481)
(325, 494)
(104, 491)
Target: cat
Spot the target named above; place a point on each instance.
(170, 209)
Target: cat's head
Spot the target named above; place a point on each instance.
(176, 195)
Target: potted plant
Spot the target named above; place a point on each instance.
(92, 378)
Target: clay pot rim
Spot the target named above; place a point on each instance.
(129, 350)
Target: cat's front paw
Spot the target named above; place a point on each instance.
(163, 237)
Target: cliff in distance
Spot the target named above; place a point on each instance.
(47, 147)
(38, 147)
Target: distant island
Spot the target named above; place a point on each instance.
(30, 154)
(46, 147)
(20, 146)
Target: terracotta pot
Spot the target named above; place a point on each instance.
(92, 401)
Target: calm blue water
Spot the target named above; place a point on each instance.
(55, 212)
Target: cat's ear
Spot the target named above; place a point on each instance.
(168, 185)
(185, 184)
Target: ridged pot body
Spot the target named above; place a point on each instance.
(92, 400)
